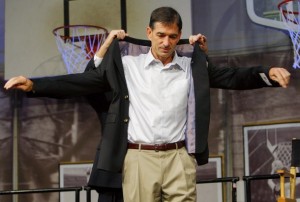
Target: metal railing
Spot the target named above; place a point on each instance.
(47, 190)
(88, 190)
(233, 181)
(248, 180)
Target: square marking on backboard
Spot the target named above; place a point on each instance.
(266, 12)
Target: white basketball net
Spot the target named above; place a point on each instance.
(79, 46)
(289, 10)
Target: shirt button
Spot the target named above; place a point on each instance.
(126, 97)
(126, 120)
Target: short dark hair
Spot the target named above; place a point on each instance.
(165, 15)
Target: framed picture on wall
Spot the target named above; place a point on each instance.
(267, 148)
(75, 175)
(212, 170)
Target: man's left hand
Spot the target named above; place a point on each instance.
(202, 41)
(280, 75)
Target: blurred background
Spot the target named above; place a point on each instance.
(37, 135)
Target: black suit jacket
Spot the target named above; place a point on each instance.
(109, 77)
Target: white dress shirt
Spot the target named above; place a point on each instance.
(158, 97)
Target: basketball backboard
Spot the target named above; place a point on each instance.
(266, 12)
(71, 7)
(281, 14)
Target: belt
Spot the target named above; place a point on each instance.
(157, 147)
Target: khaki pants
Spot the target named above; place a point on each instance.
(150, 176)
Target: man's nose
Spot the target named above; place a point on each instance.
(166, 41)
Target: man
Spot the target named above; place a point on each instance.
(157, 122)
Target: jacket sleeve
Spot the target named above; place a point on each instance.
(71, 85)
(239, 78)
(99, 101)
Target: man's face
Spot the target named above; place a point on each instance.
(164, 39)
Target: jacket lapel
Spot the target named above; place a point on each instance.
(117, 59)
(202, 97)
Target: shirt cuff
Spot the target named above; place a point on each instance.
(97, 60)
(265, 79)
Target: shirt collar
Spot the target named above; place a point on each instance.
(175, 62)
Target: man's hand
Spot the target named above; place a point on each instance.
(280, 75)
(202, 41)
(120, 34)
(19, 82)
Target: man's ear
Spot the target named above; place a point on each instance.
(149, 33)
(179, 36)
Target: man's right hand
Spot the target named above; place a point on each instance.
(120, 34)
(19, 82)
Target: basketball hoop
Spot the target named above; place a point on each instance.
(78, 44)
(289, 10)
